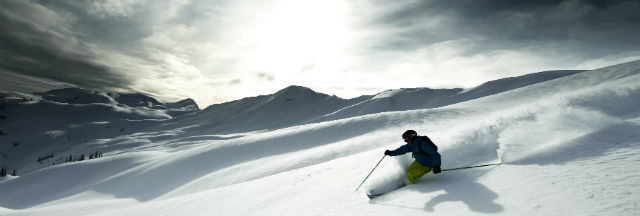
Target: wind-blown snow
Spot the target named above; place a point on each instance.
(569, 145)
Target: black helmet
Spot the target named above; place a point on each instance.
(409, 134)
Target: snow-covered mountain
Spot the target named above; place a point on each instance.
(137, 100)
(53, 122)
(290, 106)
(568, 143)
(296, 105)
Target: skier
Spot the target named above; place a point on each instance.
(425, 153)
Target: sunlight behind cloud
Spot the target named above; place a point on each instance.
(301, 36)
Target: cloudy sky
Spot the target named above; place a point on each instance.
(220, 50)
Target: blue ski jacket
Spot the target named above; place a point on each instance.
(430, 157)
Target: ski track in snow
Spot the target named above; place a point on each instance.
(569, 146)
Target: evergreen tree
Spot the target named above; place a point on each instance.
(3, 172)
(14, 173)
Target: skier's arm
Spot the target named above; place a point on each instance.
(400, 151)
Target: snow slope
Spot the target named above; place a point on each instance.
(569, 146)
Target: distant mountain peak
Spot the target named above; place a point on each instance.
(295, 88)
(75, 96)
(295, 91)
(122, 99)
(186, 103)
(68, 91)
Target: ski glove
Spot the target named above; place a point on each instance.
(436, 170)
(387, 152)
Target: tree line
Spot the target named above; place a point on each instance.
(82, 157)
(3, 172)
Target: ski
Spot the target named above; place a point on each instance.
(373, 194)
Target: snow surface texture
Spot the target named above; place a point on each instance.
(569, 145)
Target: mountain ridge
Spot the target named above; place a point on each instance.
(308, 106)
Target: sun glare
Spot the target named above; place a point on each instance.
(299, 37)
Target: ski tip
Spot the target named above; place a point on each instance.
(373, 196)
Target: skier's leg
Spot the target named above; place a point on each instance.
(415, 171)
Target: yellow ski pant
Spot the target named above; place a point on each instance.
(415, 171)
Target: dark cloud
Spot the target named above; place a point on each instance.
(35, 41)
(155, 47)
(588, 29)
(102, 25)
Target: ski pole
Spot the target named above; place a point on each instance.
(484, 165)
(374, 168)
